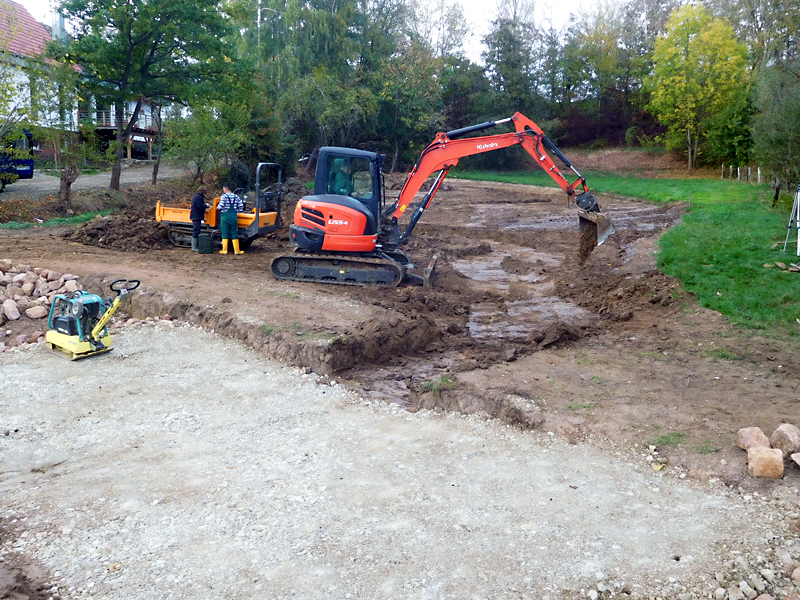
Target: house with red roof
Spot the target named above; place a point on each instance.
(20, 34)
(23, 39)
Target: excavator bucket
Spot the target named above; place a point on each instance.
(589, 211)
(604, 225)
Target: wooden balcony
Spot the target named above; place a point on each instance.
(143, 131)
(106, 119)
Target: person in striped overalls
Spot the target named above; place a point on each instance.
(229, 205)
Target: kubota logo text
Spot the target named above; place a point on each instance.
(487, 146)
(336, 222)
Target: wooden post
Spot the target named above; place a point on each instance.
(723, 171)
(748, 174)
(730, 171)
(738, 173)
(759, 175)
(129, 143)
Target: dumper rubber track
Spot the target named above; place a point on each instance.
(180, 235)
(338, 269)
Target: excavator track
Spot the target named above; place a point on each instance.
(337, 269)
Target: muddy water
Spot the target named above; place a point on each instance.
(533, 306)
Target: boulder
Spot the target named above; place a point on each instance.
(19, 278)
(787, 438)
(796, 458)
(27, 288)
(53, 276)
(23, 303)
(70, 285)
(10, 310)
(37, 312)
(765, 462)
(14, 290)
(36, 336)
(752, 436)
(53, 285)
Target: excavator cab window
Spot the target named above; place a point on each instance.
(349, 176)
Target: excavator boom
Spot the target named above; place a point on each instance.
(445, 151)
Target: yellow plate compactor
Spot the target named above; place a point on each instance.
(78, 321)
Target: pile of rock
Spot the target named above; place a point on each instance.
(766, 455)
(27, 293)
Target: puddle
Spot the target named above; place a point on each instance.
(515, 319)
(488, 269)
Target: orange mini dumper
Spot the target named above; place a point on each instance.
(263, 218)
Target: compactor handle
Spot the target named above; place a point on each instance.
(124, 285)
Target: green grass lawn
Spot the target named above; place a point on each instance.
(74, 220)
(720, 246)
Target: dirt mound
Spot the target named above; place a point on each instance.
(125, 230)
(623, 160)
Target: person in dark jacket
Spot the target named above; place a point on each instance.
(229, 205)
(198, 213)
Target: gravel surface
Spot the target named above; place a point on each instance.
(182, 465)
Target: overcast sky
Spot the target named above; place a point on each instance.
(479, 13)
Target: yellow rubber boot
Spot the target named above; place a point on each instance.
(236, 247)
(224, 247)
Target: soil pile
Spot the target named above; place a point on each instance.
(125, 230)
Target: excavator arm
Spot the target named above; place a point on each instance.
(444, 152)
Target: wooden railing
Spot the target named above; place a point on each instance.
(107, 118)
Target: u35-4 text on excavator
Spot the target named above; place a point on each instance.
(347, 233)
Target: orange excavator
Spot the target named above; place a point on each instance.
(346, 233)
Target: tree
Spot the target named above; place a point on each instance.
(699, 73)
(770, 28)
(597, 73)
(160, 50)
(509, 64)
(408, 99)
(466, 94)
(207, 137)
(442, 26)
(777, 126)
(55, 105)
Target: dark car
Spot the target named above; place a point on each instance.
(20, 164)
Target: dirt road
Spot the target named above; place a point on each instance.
(46, 185)
(610, 356)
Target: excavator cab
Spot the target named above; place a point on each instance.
(347, 202)
(348, 172)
